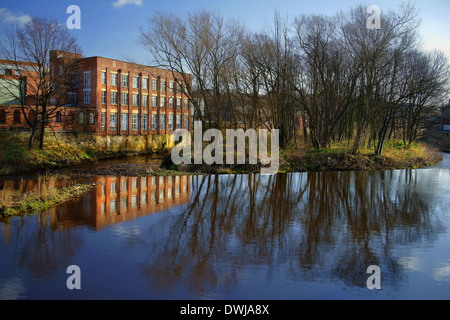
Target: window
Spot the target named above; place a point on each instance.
(72, 98)
(31, 116)
(135, 121)
(75, 80)
(154, 84)
(154, 101)
(171, 86)
(52, 101)
(124, 203)
(114, 97)
(112, 205)
(81, 118)
(179, 121)
(124, 186)
(91, 118)
(162, 120)
(145, 83)
(103, 116)
(114, 79)
(113, 188)
(87, 96)
(134, 201)
(154, 121)
(145, 121)
(103, 77)
(186, 121)
(171, 103)
(70, 117)
(145, 100)
(113, 121)
(170, 121)
(135, 99)
(104, 97)
(178, 103)
(124, 98)
(143, 198)
(124, 122)
(135, 82)
(58, 117)
(87, 79)
(9, 71)
(2, 116)
(163, 85)
(16, 117)
(186, 103)
(163, 102)
(125, 80)
(60, 70)
(178, 87)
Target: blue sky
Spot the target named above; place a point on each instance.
(110, 28)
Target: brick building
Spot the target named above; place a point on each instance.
(111, 98)
(123, 98)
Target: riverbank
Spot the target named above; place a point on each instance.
(46, 193)
(16, 159)
(335, 158)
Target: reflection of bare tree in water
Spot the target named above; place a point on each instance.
(42, 244)
(353, 220)
(317, 224)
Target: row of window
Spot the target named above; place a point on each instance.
(125, 99)
(114, 81)
(170, 119)
(124, 125)
(155, 197)
(145, 100)
(17, 117)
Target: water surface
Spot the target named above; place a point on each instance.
(284, 236)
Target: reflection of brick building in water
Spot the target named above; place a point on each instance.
(119, 199)
(114, 199)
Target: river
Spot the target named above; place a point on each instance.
(286, 236)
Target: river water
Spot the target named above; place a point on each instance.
(286, 236)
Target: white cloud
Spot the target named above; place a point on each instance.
(121, 3)
(442, 274)
(9, 17)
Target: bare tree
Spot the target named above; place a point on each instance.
(27, 48)
(376, 50)
(425, 77)
(199, 48)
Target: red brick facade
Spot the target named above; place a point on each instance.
(112, 97)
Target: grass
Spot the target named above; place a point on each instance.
(15, 158)
(44, 195)
(335, 158)
(394, 156)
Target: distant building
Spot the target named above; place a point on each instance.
(445, 122)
